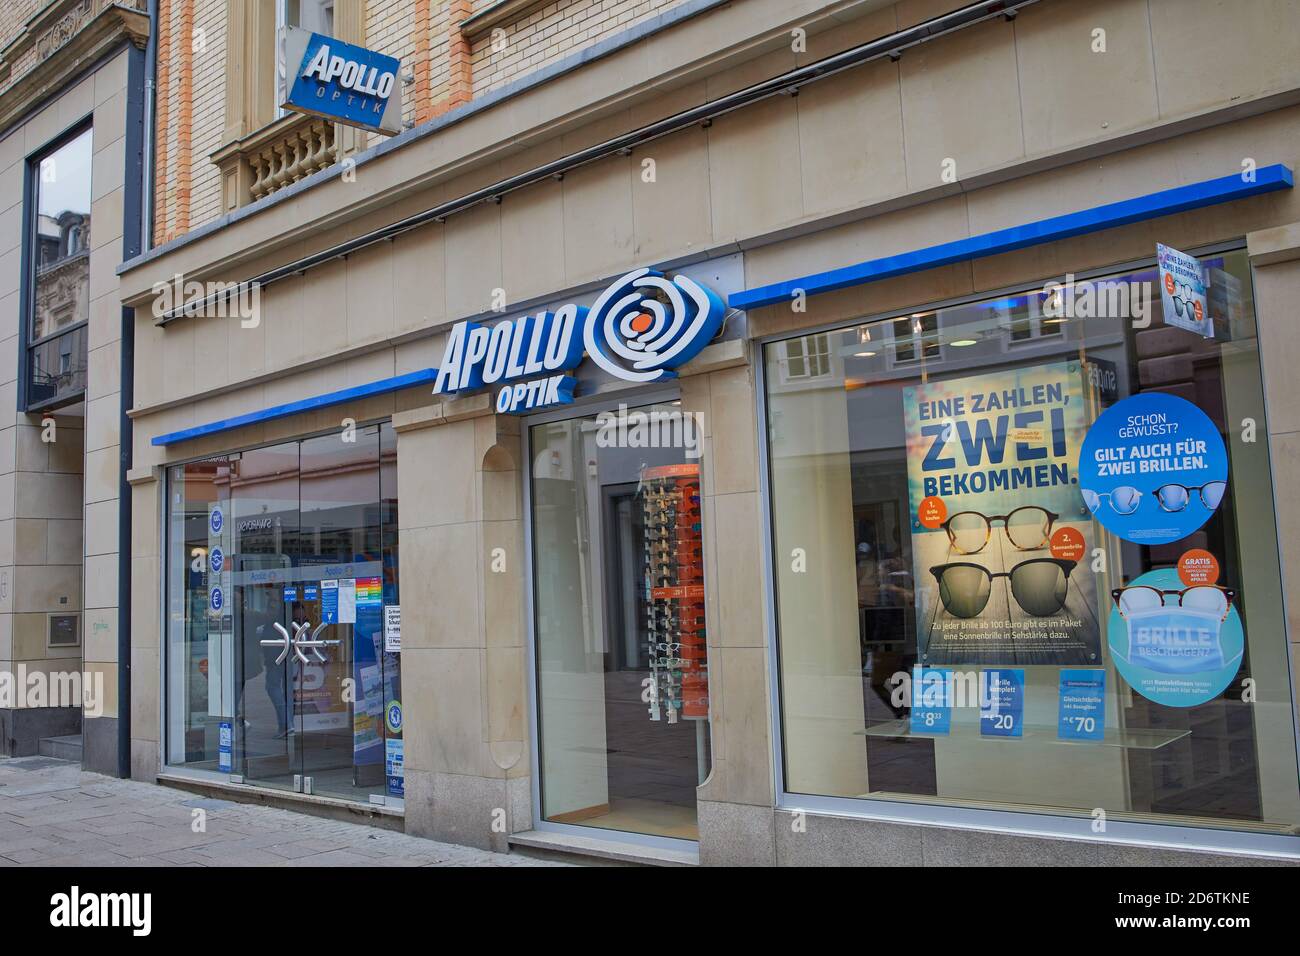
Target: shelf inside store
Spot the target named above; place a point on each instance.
(1134, 738)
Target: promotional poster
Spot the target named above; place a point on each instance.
(1000, 536)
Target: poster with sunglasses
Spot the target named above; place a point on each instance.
(1175, 644)
(999, 534)
(1153, 469)
(1182, 292)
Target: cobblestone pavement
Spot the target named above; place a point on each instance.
(52, 813)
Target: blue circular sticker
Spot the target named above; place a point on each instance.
(1175, 645)
(1153, 468)
(216, 599)
(216, 559)
(393, 716)
(216, 520)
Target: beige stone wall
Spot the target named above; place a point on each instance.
(43, 511)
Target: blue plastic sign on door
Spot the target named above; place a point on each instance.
(309, 592)
(931, 700)
(1153, 468)
(342, 82)
(217, 599)
(1002, 702)
(216, 559)
(290, 594)
(216, 521)
(225, 741)
(1082, 714)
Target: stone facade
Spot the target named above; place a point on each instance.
(854, 167)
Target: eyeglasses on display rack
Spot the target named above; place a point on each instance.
(1027, 528)
(1210, 598)
(1039, 586)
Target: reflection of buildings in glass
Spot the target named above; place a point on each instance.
(62, 294)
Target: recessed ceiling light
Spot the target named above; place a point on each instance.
(864, 354)
(962, 343)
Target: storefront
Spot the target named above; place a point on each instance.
(761, 495)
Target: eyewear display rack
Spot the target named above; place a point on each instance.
(674, 576)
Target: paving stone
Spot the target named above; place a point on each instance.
(52, 813)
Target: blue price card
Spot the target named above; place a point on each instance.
(1082, 705)
(931, 700)
(225, 746)
(1002, 702)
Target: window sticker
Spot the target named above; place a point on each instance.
(1176, 645)
(1153, 469)
(999, 533)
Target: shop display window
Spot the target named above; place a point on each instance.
(1025, 556)
(618, 599)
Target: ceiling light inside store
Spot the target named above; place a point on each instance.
(961, 343)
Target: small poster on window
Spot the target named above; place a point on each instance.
(1001, 539)
(1182, 292)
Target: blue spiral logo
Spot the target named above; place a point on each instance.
(632, 333)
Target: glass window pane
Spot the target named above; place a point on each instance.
(622, 672)
(910, 497)
(61, 267)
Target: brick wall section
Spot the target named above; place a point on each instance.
(552, 33)
(13, 14)
(420, 61)
(184, 118)
(209, 68)
(460, 76)
(163, 123)
(423, 34)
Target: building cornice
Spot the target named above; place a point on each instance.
(67, 35)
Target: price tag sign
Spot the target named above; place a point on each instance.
(1082, 705)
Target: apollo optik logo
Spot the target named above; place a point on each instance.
(76, 909)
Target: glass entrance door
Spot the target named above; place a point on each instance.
(282, 561)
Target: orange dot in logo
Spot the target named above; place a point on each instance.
(641, 322)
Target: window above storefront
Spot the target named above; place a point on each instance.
(58, 290)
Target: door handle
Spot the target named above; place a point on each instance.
(298, 641)
(315, 644)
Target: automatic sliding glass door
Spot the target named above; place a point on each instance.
(281, 561)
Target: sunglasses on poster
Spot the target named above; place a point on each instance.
(1040, 586)
(1208, 598)
(1027, 528)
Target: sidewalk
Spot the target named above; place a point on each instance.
(54, 814)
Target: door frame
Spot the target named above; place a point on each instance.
(581, 409)
(163, 540)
